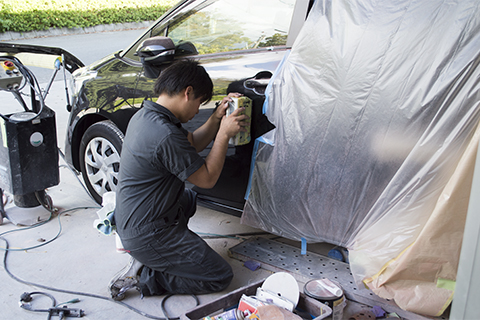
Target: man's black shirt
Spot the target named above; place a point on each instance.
(156, 160)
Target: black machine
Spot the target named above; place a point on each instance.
(28, 140)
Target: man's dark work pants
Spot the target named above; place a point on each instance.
(176, 259)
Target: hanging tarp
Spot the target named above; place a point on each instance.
(374, 109)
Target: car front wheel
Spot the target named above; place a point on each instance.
(100, 158)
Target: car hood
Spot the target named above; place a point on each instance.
(99, 63)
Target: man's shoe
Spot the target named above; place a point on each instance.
(125, 279)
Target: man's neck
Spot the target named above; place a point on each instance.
(171, 103)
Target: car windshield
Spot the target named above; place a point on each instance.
(228, 25)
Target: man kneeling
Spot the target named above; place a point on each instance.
(153, 207)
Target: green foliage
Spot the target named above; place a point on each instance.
(223, 44)
(30, 15)
(209, 33)
(276, 40)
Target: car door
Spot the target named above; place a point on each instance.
(234, 40)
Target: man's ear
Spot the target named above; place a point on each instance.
(189, 93)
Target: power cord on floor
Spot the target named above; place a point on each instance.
(75, 173)
(46, 202)
(57, 311)
(237, 236)
(7, 249)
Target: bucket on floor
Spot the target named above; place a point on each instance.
(328, 292)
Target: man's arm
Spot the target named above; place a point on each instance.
(201, 137)
(206, 177)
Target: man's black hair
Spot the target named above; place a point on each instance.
(184, 73)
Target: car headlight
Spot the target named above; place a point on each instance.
(78, 80)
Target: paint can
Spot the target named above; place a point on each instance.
(329, 293)
(240, 138)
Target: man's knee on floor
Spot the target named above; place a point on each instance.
(225, 282)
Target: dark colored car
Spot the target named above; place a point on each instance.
(240, 43)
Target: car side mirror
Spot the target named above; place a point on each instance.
(155, 52)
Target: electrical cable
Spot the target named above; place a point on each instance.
(38, 225)
(237, 236)
(75, 174)
(162, 305)
(26, 304)
(26, 298)
(35, 87)
(7, 249)
(29, 78)
(20, 100)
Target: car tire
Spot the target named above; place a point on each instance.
(100, 151)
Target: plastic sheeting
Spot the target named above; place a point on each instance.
(375, 110)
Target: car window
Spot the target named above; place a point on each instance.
(228, 25)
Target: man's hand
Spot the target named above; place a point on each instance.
(222, 107)
(234, 123)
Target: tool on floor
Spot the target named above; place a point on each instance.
(62, 312)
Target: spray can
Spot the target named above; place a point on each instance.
(329, 293)
(232, 314)
(242, 137)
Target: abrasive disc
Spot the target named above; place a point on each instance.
(284, 285)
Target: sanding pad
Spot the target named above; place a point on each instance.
(284, 285)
